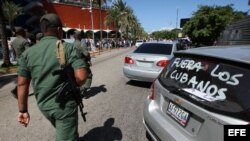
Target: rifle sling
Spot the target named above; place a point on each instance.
(60, 52)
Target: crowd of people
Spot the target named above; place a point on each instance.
(20, 41)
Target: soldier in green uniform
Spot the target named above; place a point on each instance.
(82, 47)
(37, 64)
(20, 43)
(39, 37)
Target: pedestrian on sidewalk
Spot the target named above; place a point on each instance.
(37, 64)
(83, 49)
(19, 44)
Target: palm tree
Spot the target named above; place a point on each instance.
(117, 15)
(4, 43)
(128, 21)
(111, 18)
(136, 29)
(11, 11)
(123, 18)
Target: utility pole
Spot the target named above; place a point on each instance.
(177, 14)
(92, 22)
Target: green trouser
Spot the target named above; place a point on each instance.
(65, 121)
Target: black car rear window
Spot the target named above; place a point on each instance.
(217, 86)
(155, 48)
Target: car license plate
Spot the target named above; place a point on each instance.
(178, 113)
(145, 64)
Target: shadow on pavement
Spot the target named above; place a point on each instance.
(6, 79)
(104, 133)
(95, 90)
(139, 84)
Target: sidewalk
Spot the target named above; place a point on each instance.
(96, 54)
(1, 62)
(108, 52)
(7, 81)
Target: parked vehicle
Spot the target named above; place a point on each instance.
(148, 60)
(138, 43)
(200, 90)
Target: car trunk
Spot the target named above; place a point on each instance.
(199, 97)
(148, 61)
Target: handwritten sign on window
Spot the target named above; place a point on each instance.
(204, 87)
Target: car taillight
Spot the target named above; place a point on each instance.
(162, 63)
(129, 60)
(152, 96)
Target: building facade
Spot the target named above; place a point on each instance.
(78, 15)
(237, 33)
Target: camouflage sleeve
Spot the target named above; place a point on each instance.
(86, 53)
(73, 56)
(22, 67)
(26, 44)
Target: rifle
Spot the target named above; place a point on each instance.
(71, 86)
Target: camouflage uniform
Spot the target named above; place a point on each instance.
(20, 43)
(37, 64)
(86, 55)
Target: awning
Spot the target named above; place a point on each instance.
(78, 29)
(85, 30)
(107, 30)
(66, 29)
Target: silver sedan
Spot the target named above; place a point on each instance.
(148, 60)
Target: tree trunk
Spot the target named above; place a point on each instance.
(6, 59)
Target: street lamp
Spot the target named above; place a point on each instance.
(92, 23)
(91, 16)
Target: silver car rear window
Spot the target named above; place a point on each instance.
(213, 84)
(155, 48)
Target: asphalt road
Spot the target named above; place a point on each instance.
(114, 109)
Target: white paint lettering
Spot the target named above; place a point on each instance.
(190, 64)
(221, 94)
(193, 81)
(213, 72)
(172, 75)
(198, 66)
(184, 63)
(234, 81)
(184, 78)
(202, 88)
(224, 76)
(176, 62)
(212, 90)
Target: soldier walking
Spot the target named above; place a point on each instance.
(19, 44)
(83, 49)
(38, 64)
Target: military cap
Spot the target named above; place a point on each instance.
(53, 19)
(19, 29)
(77, 32)
(39, 36)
